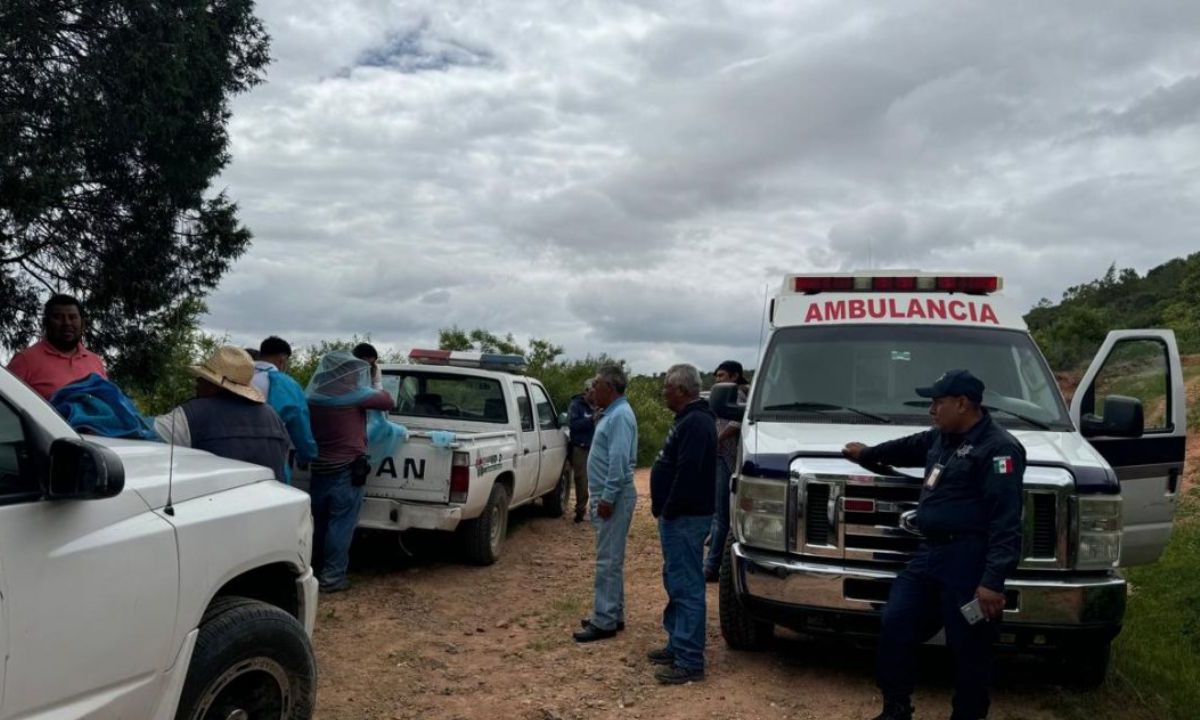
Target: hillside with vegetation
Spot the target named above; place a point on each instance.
(1071, 330)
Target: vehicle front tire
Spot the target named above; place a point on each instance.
(554, 503)
(741, 632)
(250, 657)
(484, 536)
(1086, 666)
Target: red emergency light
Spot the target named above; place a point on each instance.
(971, 284)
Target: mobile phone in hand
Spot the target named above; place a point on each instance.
(972, 612)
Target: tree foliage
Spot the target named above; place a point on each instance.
(1071, 331)
(113, 127)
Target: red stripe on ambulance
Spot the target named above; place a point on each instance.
(900, 309)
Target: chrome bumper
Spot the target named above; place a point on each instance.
(788, 581)
(386, 514)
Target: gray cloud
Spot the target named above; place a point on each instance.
(627, 177)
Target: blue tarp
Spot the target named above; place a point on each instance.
(94, 405)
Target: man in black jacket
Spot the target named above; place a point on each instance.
(681, 497)
(969, 517)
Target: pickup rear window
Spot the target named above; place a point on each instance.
(445, 396)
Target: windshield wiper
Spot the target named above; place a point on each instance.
(823, 407)
(1039, 424)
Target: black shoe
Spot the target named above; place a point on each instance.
(578, 516)
(588, 621)
(591, 633)
(896, 711)
(334, 587)
(675, 675)
(661, 656)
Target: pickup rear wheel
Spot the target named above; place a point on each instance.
(484, 536)
(554, 503)
(252, 660)
(741, 632)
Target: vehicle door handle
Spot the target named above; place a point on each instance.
(543, 448)
(526, 451)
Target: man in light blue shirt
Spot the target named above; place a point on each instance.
(613, 497)
(287, 398)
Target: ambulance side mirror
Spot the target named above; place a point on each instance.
(723, 399)
(1123, 417)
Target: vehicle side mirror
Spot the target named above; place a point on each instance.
(80, 470)
(1123, 417)
(723, 399)
(563, 420)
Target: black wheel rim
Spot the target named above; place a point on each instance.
(253, 689)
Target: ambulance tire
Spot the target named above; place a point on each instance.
(484, 536)
(1086, 666)
(741, 632)
(554, 503)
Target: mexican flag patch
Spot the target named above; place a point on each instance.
(1002, 465)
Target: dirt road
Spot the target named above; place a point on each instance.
(431, 638)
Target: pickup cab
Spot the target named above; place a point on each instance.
(817, 539)
(143, 581)
(509, 449)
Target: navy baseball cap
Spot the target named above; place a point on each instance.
(955, 383)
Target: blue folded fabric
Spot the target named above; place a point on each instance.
(95, 405)
(442, 438)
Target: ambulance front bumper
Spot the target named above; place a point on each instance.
(782, 588)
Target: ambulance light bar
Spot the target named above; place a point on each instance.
(973, 284)
(493, 361)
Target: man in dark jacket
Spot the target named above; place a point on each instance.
(969, 517)
(581, 418)
(681, 497)
(229, 416)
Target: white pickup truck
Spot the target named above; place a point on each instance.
(510, 449)
(116, 602)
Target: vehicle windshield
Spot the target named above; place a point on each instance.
(446, 396)
(867, 374)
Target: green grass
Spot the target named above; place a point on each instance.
(1156, 658)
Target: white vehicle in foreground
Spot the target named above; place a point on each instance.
(817, 539)
(115, 603)
(510, 449)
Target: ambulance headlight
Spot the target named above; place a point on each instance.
(1098, 528)
(760, 513)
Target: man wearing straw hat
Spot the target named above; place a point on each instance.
(228, 416)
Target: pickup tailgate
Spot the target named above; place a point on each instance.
(418, 471)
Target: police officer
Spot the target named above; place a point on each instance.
(970, 517)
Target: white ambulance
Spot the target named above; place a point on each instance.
(817, 539)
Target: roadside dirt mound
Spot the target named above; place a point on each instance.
(432, 638)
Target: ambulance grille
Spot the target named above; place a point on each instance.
(1045, 536)
(816, 514)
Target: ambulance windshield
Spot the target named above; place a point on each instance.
(867, 374)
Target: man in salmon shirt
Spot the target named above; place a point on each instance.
(59, 358)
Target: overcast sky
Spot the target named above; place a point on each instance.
(628, 177)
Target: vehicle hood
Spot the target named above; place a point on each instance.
(790, 439)
(196, 473)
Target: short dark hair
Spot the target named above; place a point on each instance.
(274, 345)
(733, 367)
(254, 354)
(364, 351)
(58, 300)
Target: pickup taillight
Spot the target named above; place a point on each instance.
(460, 477)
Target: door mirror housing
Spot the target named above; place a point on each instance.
(1123, 417)
(80, 470)
(723, 399)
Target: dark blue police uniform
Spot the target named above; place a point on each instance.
(971, 520)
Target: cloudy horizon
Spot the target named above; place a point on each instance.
(630, 177)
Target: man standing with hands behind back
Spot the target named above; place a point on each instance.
(613, 496)
(970, 519)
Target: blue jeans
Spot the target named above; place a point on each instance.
(335, 506)
(608, 605)
(720, 519)
(683, 576)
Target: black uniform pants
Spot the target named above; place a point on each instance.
(925, 598)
